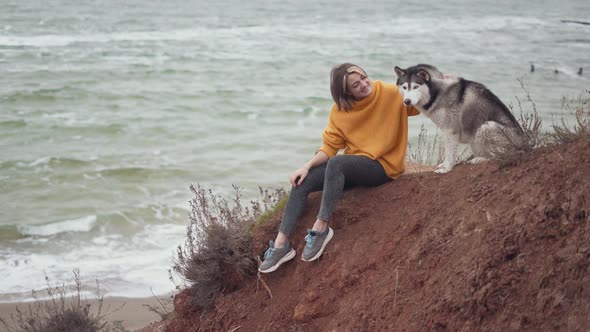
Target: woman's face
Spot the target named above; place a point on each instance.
(358, 86)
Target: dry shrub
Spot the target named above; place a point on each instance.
(512, 146)
(531, 123)
(216, 257)
(565, 133)
(164, 307)
(426, 151)
(62, 313)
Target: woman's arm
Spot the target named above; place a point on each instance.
(299, 175)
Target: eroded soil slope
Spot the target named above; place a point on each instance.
(485, 248)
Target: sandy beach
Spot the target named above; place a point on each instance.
(133, 314)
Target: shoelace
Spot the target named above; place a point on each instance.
(310, 239)
(269, 252)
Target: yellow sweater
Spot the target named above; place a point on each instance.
(376, 127)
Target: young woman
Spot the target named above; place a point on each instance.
(369, 121)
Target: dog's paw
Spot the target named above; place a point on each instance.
(477, 160)
(441, 165)
(443, 168)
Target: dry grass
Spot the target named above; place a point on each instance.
(164, 307)
(426, 151)
(62, 313)
(216, 256)
(272, 203)
(515, 147)
(564, 132)
(530, 122)
(579, 107)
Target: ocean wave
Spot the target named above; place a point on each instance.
(83, 224)
(575, 41)
(109, 225)
(46, 161)
(64, 40)
(40, 96)
(44, 95)
(74, 126)
(126, 265)
(9, 232)
(142, 172)
(403, 26)
(13, 124)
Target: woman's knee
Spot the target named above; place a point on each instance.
(337, 162)
(300, 191)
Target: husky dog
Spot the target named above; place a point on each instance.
(465, 111)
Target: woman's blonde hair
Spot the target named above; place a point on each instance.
(338, 78)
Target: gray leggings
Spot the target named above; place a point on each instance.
(340, 172)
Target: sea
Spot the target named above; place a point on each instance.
(110, 110)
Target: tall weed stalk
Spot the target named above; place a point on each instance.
(426, 151)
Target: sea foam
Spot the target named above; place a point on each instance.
(83, 224)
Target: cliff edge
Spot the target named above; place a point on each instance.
(483, 248)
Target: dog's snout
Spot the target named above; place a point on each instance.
(407, 101)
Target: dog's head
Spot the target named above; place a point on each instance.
(414, 83)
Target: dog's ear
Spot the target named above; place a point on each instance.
(423, 74)
(399, 72)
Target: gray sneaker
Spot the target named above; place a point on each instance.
(274, 257)
(316, 243)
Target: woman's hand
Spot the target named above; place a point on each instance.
(298, 176)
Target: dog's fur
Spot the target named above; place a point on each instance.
(465, 111)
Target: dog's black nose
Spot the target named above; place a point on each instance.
(407, 101)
